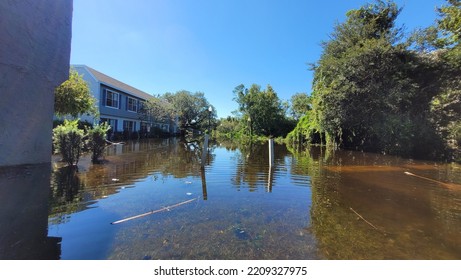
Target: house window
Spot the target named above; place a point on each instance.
(128, 126)
(132, 104)
(112, 99)
(111, 122)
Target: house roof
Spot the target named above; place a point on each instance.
(109, 81)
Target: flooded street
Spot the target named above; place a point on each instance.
(314, 204)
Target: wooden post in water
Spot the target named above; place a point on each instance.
(205, 194)
(204, 151)
(270, 176)
(271, 152)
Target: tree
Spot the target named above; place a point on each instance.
(446, 106)
(73, 97)
(192, 109)
(157, 110)
(370, 92)
(449, 24)
(301, 103)
(441, 42)
(262, 110)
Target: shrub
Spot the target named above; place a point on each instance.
(68, 141)
(97, 140)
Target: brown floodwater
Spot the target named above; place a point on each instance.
(152, 200)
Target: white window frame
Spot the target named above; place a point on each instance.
(134, 105)
(117, 100)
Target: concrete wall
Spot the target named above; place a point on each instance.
(35, 38)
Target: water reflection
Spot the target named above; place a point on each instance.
(152, 175)
(24, 214)
(406, 217)
(253, 170)
(314, 204)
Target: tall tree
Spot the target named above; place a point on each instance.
(446, 106)
(73, 97)
(370, 92)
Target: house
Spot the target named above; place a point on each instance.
(119, 104)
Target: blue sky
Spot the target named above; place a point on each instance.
(212, 46)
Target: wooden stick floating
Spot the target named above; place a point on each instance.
(447, 185)
(153, 212)
(360, 216)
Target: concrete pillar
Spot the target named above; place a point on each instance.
(35, 40)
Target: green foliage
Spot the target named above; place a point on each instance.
(301, 104)
(449, 23)
(444, 36)
(73, 97)
(157, 110)
(306, 131)
(371, 92)
(97, 140)
(192, 110)
(68, 141)
(229, 128)
(261, 111)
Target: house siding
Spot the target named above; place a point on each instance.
(98, 87)
(122, 110)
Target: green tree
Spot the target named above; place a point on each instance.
(157, 110)
(262, 110)
(449, 24)
(446, 106)
(441, 42)
(370, 92)
(73, 97)
(300, 104)
(191, 109)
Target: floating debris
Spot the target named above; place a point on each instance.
(241, 234)
(189, 193)
(188, 182)
(153, 211)
(115, 180)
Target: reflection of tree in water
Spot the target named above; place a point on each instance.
(66, 184)
(123, 165)
(408, 224)
(65, 192)
(253, 163)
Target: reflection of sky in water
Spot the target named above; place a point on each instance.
(260, 209)
(245, 210)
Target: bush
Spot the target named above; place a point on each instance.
(97, 140)
(68, 141)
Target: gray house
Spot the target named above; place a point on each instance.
(119, 104)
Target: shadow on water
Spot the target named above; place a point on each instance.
(24, 214)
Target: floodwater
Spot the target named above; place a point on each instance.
(314, 204)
